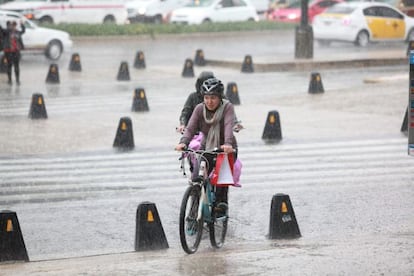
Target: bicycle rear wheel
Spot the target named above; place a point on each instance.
(218, 230)
(191, 230)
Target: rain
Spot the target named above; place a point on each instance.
(342, 157)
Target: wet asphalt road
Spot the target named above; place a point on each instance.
(342, 160)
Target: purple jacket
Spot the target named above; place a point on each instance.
(197, 123)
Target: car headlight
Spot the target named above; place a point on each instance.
(142, 10)
(292, 16)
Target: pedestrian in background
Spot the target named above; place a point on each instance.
(12, 44)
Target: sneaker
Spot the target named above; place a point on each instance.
(9, 82)
(221, 209)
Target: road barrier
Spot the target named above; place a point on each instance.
(123, 72)
(139, 102)
(283, 222)
(315, 84)
(272, 131)
(199, 58)
(247, 65)
(139, 62)
(75, 64)
(232, 93)
(37, 107)
(149, 234)
(188, 71)
(53, 74)
(12, 247)
(124, 138)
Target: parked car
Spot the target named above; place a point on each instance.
(362, 22)
(204, 11)
(36, 39)
(70, 11)
(292, 13)
(154, 11)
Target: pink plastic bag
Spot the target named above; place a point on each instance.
(237, 172)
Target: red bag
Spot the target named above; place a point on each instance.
(222, 174)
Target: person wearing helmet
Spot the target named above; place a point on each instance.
(214, 118)
(192, 100)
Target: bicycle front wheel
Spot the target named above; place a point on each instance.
(218, 230)
(191, 229)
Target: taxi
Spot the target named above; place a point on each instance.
(361, 23)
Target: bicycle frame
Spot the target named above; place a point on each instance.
(207, 197)
(202, 193)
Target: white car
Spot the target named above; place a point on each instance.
(154, 11)
(203, 11)
(362, 22)
(70, 11)
(36, 39)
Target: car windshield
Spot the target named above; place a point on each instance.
(200, 3)
(340, 9)
(294, 5)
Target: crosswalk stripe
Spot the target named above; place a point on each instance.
(68, 177)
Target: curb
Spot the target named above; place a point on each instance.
(305, 65)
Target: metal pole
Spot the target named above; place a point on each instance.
(411, 106)
(304, 34)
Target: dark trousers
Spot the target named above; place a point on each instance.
(13, 59)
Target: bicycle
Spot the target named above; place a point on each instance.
(198, 206)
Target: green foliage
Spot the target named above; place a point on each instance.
(154, 29)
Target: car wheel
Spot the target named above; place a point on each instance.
(109, 19)
(323, 43)
(54, 49)
(206, 21)
(362, 39)
(46, 20)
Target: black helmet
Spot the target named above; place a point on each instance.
(212, 86)
(201, 78)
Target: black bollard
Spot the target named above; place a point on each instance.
(315, 84)
(139, 62)
(123, 72)
(232, 93)
(247, 66)
(37, 107)
(149, 234)
(199, 58)
(124, 138)
(404, 126)
(272, 131)
(283, 222)
(53, 74)
(188, 71)
(139, 102)
(12, 247)
(75, 64)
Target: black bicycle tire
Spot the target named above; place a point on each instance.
(186, 247)
(217, 243)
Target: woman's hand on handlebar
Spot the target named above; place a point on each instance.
(180, 147)
(227, 148)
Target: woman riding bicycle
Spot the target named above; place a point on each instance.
(215, 119)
